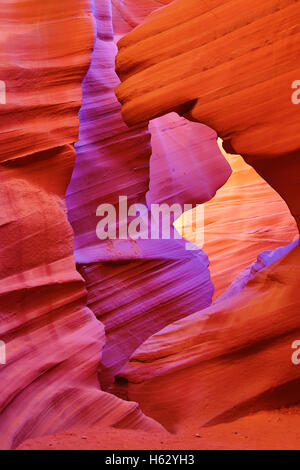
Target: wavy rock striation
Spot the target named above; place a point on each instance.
(136, 287)
(231, 72)
(225, 357)
(245, 217)
(53, 341)
(221, 69)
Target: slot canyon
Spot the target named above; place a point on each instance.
(162, 342)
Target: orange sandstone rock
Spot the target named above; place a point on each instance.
(229, 65)
(53, 341)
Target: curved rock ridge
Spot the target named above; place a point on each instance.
(129, 14)
(143, 291)
(219, 360)
(245, 217)
(233, 72)
(53, 341)
(136, 287)
(219, 61)
(186, 165)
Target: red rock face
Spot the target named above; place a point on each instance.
(129, 307)
(136, 287)
(47, 327)
(233, 72)
(222, 71)
(246, 217)
(53, 341)
(236, 351)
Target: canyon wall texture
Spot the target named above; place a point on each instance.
(136, 287)
(233, 72)
(76, 311)
(53, 341)
(246, 217)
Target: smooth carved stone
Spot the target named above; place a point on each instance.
(221, 362)
(136, 287)
(53, 341)
(233, 72)
(245, 218)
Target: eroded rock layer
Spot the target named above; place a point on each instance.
(136, 287)
(246, 217)
(212, 66)
(53, 341)
(217, 361)
(230, 65)
(219, 61)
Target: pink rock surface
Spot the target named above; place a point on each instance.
(214, 364)
(246, 217)
(136, 287)
(53, 341)
(222, 71)
(66, 329)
